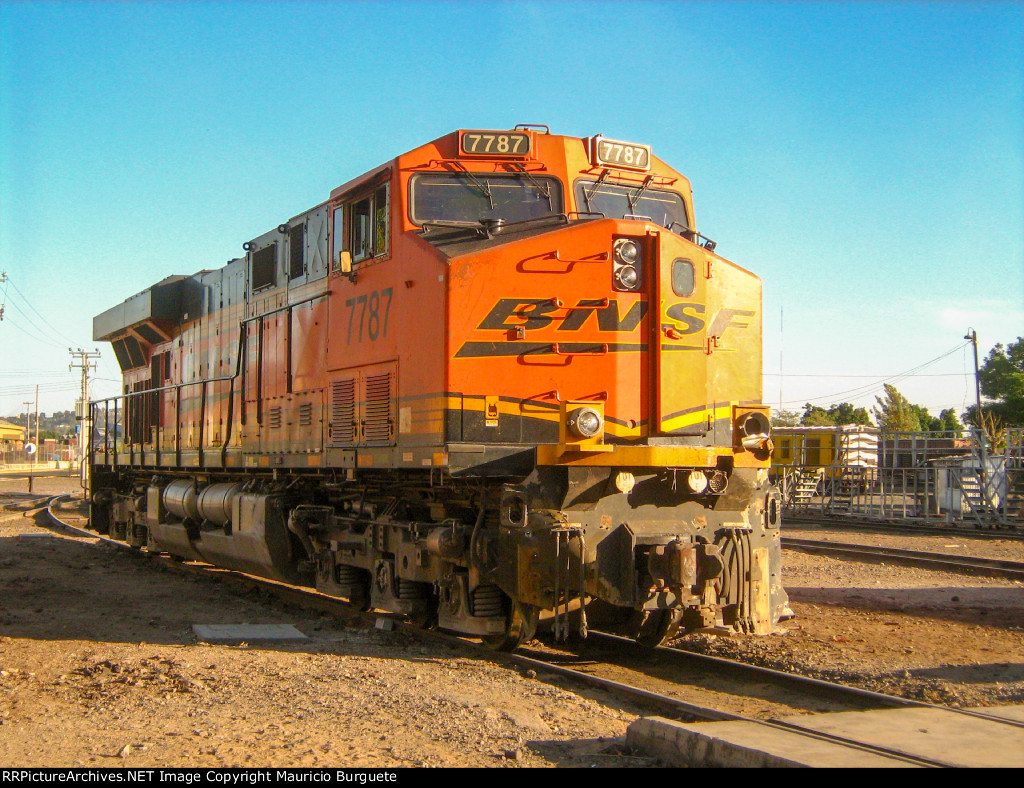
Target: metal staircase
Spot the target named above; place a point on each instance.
(802, 487)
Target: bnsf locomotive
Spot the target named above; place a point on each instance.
(498, 380)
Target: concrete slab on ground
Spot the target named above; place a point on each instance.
(247, 633)
(938, 735)
(932, 735)
(745, 745)
(1014, 713)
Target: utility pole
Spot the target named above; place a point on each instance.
(972, 335)
(85, 433)
(28, 436)
(35, 454)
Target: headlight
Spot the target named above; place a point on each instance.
(584, 422)
(718, 481)
(754, 423)
(754, 431)
(627, 264)
(627, 277)
(697, 481)
(627, 252)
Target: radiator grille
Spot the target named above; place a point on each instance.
(378, 419)
(342, 427)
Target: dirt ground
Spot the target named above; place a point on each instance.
(99, 666)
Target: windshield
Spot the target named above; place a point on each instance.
(471, 197)
(617, 202)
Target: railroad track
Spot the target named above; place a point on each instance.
(992, 567)
(603, 657)
(906, 527)
(22, 505)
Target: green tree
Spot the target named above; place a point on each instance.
(950, 422)
(816, 416)
(928, 422)
(845, 413)
(894, 413)
(1002, 383)
(785, 418)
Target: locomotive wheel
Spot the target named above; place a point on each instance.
(361, 602)
(520, 626)
(657, 626)
(427, 618)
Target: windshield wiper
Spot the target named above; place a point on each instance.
(544, 189)
(597, 185)
(449, 223)
(634, 199)
(484, 189)
(431, 225)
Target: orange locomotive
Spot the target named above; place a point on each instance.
(498, 380)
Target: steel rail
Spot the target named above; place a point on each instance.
(904, 526)
(316, 600)
(842, 691)
(26, 504)
(992, 567)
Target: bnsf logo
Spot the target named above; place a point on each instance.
(535, 313)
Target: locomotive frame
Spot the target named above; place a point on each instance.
(498, 380)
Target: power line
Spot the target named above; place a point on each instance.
(35, 373)
(879, 384)
(60, 337)
(36, 337)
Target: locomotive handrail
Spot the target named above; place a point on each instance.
(601, 258)
(161, 388)
(624, 175)
(111, 446)
(556, 395)
(436, 164)
(556, 348)
(285, 308)
(693, 236)
(532, 127)
(177, 387)
(601, 304)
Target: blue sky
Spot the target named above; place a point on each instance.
(865, 159)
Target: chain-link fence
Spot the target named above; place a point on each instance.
(45, 457)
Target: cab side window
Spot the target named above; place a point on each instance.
(359, 243)
(361, 226)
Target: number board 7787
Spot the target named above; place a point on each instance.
(507, 144)
(621, 155)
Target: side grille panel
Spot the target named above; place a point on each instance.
(342, 426)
